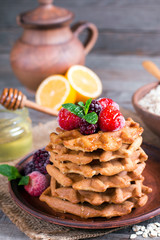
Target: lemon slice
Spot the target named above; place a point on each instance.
(54, 91)
(85, 82)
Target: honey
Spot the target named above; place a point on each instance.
(15, 134)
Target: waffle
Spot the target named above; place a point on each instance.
(97, 183)
(87, 210)
(104, 168)
(61, 153)
(108, 141)
(97, 175)
(112, 195)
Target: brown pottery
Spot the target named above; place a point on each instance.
(48, 45)
(150, 119)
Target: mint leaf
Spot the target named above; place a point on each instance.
(86, 108)
(9, 171)
(12, 174)
(24, 180)
(81, 104)
(91, 118)
(5, 170)
(75, 109)
(15, 172)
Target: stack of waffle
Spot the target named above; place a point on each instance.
(98, 175)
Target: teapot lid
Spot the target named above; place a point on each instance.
(46, 14)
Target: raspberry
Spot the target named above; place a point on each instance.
(37, 184)
(38, 163)
(111, 119)
(68, 120)
(108, 102)
(95, 106)
(87, 128)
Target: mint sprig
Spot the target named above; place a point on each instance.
(91, 118)
(24, 180)
(12, 173)
(86, 107)
(81, 104)
(75, 109)
(81, 110)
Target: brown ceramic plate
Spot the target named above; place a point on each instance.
(40, 210)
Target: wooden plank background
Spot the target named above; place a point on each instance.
(125, 26)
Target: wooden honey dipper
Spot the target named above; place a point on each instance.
(13, 99)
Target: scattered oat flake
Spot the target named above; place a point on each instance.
(139, 233)
(152, 230)
(145, 235)
(153, 234)
(136, 228)
(133, 236)
(143, 228)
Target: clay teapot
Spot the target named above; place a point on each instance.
(48, 45)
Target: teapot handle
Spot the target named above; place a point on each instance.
(91, 38)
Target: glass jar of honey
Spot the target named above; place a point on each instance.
(15, 134)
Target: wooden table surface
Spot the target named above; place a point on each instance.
(121, 76)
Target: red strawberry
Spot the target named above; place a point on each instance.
(108, 102)
(68, 120)
(37, 184)
(111, 119)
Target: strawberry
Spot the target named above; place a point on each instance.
(68, 120)
(111, 119)
(37, 184)
(107, 102)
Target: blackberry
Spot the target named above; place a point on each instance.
(87, 128)
(38, 163)
(29, 168)
(40, 160)
(95, 106)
